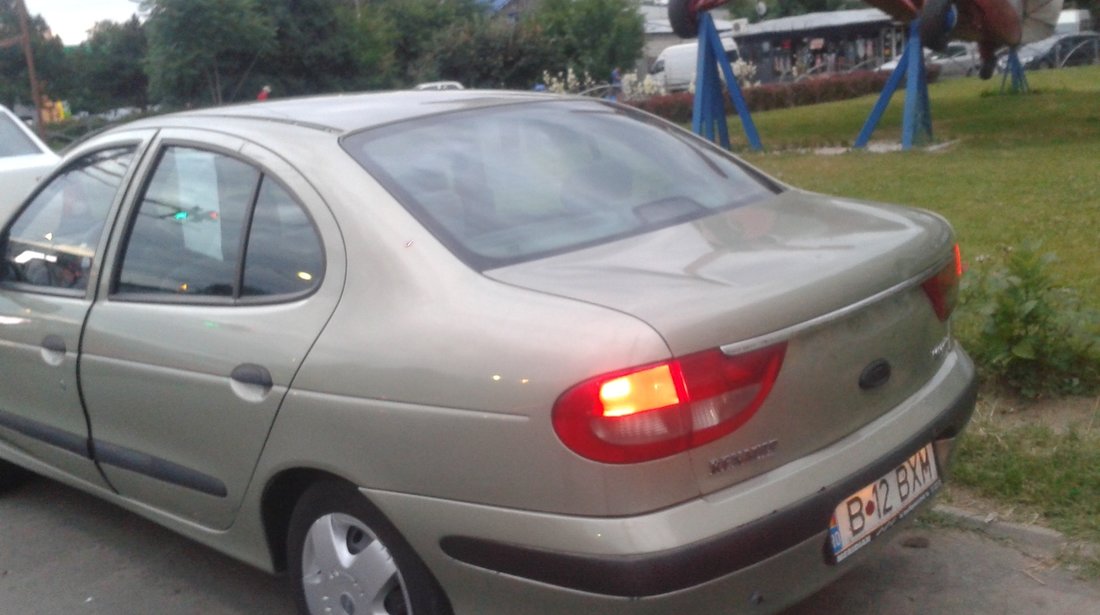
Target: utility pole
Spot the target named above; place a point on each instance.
(25, 38)
(36, 94)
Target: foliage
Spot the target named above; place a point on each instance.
(1025, 332)
(317, 48)
(678, 107)
(110, 69)
(415, 26)
(492, 53)
(49, 58)
(593, 36)
(204, 50)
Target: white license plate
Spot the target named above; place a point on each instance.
(873, 509)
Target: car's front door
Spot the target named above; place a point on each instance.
(220, 281)
(50, 269)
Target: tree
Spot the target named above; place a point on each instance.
(494, 53)
(204, 49)
(415, 25)
(110, 68)
(49, 58)
(594, 36)
(322, 46)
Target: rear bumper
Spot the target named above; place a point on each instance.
(651, 574)
(611, 563)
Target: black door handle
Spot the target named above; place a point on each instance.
(250, 373)
(54, 343)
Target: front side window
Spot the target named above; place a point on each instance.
(205, 220)
(513, 183)
(53, 241)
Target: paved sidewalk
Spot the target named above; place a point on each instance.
(981, 567)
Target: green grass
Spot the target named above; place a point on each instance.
(1012, 168)
(1053, 473)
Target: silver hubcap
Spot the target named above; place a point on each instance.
(346, 570)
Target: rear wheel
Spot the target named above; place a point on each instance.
(346, 558)
(684, 21)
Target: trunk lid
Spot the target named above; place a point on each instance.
(837, 280)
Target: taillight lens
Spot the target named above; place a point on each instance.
(654, 411)
(943, 288)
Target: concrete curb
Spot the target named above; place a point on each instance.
(1023, 534)
(1032, 537)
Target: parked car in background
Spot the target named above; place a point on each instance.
(959, 59)
(439, 85)
(674, 69)
(24, 159)
(1058, 51)
(480, 352)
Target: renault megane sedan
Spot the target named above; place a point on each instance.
(480, 352)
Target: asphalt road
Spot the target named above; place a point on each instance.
(65, 552)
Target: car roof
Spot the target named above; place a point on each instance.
(342, 113)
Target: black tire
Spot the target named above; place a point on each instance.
(934, 32)
(684, 21)
(12, 476)
(388, 573)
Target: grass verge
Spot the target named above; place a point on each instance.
(1013, 168)
(1046, 470)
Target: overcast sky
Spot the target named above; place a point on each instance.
(71, 19)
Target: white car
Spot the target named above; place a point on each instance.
(24, 159)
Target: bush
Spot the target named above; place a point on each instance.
(677, 107)
(1027, 334)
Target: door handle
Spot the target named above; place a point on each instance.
(54, 343)
(53, 350)
(250, 373)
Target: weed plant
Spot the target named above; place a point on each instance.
(1027, 334)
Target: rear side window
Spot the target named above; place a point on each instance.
(53, 243)
(514, 183)
(214, 227)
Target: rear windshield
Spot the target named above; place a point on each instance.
(13, 141)
(508, 184)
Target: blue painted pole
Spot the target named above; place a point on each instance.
(917, 114)
(1015, 70)
(709, 106)
(736, 95)
(916, 117)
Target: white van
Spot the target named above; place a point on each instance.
(674, 68)
(1072, 21)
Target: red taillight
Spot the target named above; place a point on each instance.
(943, 288)
(654, 411)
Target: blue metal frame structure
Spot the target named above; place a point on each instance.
(708, 116)
(1016, 71)
(917, 115)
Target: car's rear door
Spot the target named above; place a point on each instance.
(225, 270)
(51, 263)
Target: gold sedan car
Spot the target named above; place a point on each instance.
(480, 352)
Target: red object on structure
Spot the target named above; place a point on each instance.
(991, 23)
